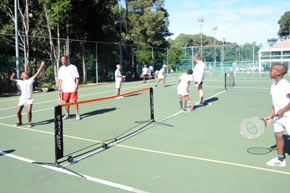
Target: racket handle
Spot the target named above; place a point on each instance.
(59, 99)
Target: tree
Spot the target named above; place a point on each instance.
(284, 23)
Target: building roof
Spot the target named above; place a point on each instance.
(284, 44)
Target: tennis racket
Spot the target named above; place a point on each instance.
(253, 127)
(59, 99)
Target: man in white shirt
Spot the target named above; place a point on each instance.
(144, 73)
(161, 76)
(198, 74)
(183, 88)
(26, 88)
(118, 79)
(68, 82)
(280, 92)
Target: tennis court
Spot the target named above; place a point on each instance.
(201, 151)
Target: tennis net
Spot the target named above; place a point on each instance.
(104, 122)
(229, 80)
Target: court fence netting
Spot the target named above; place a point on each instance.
(104, 122)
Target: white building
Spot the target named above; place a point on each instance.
(279, 53)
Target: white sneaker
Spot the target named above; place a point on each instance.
(78, 117)
(65, 117)
(276, 162)
(120, 97)
(198, 104)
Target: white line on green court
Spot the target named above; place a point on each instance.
(90, 178)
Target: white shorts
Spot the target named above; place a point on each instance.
(182, 91)
(160, 76)
(118, 84)
(23, 102)
(281, 124)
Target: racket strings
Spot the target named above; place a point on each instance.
(253, 127)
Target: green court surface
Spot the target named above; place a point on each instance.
(201, 151)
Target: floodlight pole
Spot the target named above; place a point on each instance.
(223, 54)
(200, 20)
(214, 43)
(121, 49)
(16, 40)
(253, 56)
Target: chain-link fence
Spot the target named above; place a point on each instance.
(96, 61)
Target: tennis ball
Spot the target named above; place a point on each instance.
(30, 15)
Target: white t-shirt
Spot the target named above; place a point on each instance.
(145, 70)
(68, 75)
(280, 96)
(184, 79)
(198, 72)
(118, 76)
(150, 69)
(26, 87)
(161, 71)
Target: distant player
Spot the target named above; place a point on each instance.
(26, 87)
(144, 73)
(150, 71)
(183, 88)
(198, 74)
(280, 91)
(118, 79)
(161, 75)
(68, 83)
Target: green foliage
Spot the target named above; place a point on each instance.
(148, 23)
(284, 22)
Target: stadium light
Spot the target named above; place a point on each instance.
(254, 43)
(200, 20)
(16, 39)
(121, 49)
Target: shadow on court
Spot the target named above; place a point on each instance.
(96, 112)
(132, 95)
(7, 152)
(158, 123)
(266, 150)
(168, 85)
(72, 116)
(206, 102)
(45, 122)
(286, 144)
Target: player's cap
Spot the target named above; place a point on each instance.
(164, 66)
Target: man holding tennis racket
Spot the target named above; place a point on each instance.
(183, 90)
(68, 82)
(280, 91)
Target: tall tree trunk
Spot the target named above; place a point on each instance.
(52, 54)
(25, 24)
(58, 43)
(82, 44)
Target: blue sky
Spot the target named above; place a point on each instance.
(239, 21)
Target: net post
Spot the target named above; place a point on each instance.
(225, 81)
(58, 132)
(151, 104)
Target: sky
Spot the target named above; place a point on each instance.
(238, 21)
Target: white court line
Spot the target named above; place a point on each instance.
(26, 113)
(95, 93)
(97, 180)
(90, 178)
